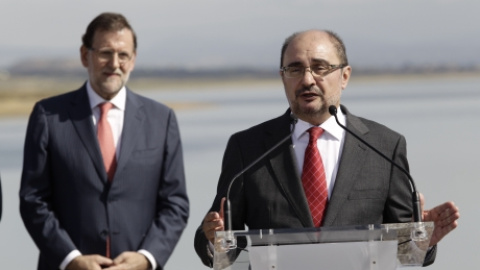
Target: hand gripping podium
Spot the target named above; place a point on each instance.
(372, 247)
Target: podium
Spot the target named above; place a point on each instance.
(372, 247)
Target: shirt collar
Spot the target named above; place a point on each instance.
(330, 126)
(118, 100)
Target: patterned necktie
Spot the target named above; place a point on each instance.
(105, 139)
(314, 179)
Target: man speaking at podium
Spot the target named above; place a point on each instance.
(322, 175)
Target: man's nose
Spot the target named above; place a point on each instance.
(114, 61)
(307, 78)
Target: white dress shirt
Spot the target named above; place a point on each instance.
(330, 145)
(115, 114)
(115, 118)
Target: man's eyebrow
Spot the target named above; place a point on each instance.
(314, 61)
(320, 61)
(294, 64)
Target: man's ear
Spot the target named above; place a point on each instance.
(84, 55)
(346, 72)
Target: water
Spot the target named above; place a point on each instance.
(439, 117)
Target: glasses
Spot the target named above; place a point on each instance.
(315, 70)
(106, 55)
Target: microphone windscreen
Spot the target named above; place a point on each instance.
(332, 109)
(294, 118)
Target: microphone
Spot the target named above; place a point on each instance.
(415, 195)
(229, 242)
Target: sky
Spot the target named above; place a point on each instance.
(225, 33)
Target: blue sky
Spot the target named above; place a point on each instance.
(224, 33)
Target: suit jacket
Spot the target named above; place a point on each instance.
(66, 201)
(368, 189)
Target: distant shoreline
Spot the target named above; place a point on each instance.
(18, 94)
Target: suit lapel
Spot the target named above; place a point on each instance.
(285, 170)
(81, 117)
(350, 164)
(133, 118)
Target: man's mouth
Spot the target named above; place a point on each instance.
(111, 73)
(309, 94)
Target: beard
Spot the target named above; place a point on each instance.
(310, 111)
(110, 86)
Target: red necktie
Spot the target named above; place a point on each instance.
(107, 146)
(105, 139)
(314, 179)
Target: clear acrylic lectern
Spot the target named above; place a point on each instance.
(372, 247)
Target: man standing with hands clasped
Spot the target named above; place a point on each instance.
(321, 176)
(103, 182)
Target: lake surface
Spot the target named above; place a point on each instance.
(440, 118)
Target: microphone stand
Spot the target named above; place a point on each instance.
(417, 217)
(229, 242)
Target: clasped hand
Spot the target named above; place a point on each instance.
(124, 261)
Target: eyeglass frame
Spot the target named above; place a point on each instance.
(331, 68)
(106, 55)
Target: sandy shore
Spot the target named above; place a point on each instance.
(19, 94)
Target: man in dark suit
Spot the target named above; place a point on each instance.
(360, 186)
(116, 201)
